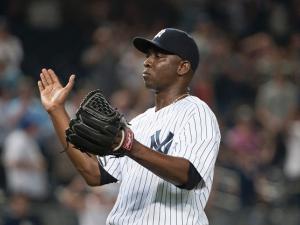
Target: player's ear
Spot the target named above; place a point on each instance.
(184, 67)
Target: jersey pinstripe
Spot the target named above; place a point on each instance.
(186, 128)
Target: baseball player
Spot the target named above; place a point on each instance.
(168, 152)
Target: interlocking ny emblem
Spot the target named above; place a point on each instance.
(163, 146)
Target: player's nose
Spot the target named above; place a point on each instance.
(148, 61)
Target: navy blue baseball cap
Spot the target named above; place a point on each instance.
(172, 41)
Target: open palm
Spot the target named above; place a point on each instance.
(53, 94)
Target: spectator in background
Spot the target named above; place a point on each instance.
(232, 84)
(6, 125)
(46, 14)
(99, 60)
(245, 144)
(277, 99)
(259, 52)
(11, 56)
(19, 212)
(291, 163)
(10, 45)
(26, 103)
(24, 164)
(91, 205)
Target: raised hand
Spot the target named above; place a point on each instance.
(53, 94)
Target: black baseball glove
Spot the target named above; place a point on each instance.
(98, 126)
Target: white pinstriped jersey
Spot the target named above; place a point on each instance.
(186, 128)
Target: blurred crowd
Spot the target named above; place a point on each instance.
(249, 74)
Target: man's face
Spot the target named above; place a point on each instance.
(160, 70)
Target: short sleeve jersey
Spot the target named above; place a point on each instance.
(187, 128)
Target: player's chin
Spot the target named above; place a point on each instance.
(150, 85)
(147, 83)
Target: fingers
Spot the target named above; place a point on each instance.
(41, 86)
(53, 76)
(47, 77)
(71, 82)
(43, 79)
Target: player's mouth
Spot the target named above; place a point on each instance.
(146, 74)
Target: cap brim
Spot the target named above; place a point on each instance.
(144, 45)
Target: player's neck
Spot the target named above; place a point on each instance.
(163, 99)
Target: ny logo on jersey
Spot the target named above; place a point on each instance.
(163, 146)
(160, 33)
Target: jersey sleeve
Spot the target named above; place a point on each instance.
(198, 141)
(111, 165)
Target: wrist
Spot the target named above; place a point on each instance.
(52, 111)
(137, 151)
(126, 140)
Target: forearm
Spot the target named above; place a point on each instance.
(86, 165)
(172, 169)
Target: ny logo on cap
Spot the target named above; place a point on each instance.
(160, 33)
